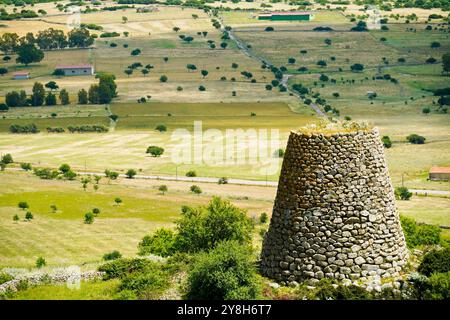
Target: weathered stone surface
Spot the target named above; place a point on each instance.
(334, 214)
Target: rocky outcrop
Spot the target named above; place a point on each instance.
(334, 214)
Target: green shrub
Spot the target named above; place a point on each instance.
(114, 255)
(326, 291)
(402, 193)
(435, 261)
(121, 267)
(40, 262)
(29, 216)
(387, 143)
(226, 272)
(202, 228)
(191, 173)
(436, 287)
(417, 235)
(263, 218)
(415, 139)
(4, 277)
(89, 218)
(125, 295)
(148, 284)
(161, 243)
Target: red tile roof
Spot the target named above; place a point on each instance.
(78, 66)
(21, 73)
(440, 170)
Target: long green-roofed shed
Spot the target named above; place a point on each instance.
(286, 16)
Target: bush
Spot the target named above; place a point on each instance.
(155, 151)
(223, 180)
(202, 228)
(191, 173)
(263, 218)
(161, 243)
(279, 153)
(114, 255)
(328, 290)
(89, 218)
(7, 159)
(402, 193)
(415, 139)
(161, 128)
(4, 277)
(435, 261)
(16, 128)
(417, 235)
(96, 211)
(130, 173)
(46, 173)
(436, 287)
(195, 189)
(23, 205)
(387, 143)
(121, 267)
(40, 262)
(227, 272)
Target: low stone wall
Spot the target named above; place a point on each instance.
(41, 278)
(334, 214)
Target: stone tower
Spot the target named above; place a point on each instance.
(334, 214)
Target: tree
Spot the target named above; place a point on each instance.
(50, 99)
(129, 72)
(263, 218)
(402, 193)
(80, 38)
(130, 173)
(124, 19)
(161, 128)
(163, 189)
(51, 85)
(161, 243)
(13, 99)
(29, 216)
(191, 173)
(387, 143)
(176, 29)
(28, 53)
(111, 175)
(38, 95)
(9, 42)
(89, 218)
(40, 262)
(191, 67)
(82, 97)
(3, 71)
(357, 67)
(415, 139)
(163, 78)
(446, 62)
(327, 41)
(118, 201)
(435, 44)
(23, 205)
(204, 73)
(165, 59)
(195, 189)
(136, 52)
(155, 151)
(85, 182)
(291, 60)
(223, 45)
(16, 218)
(144, 72)
(227, 272)
(64, 168)
(322, 63)
(223, 180)
(64, 97)
(7, 159)
(426, 110)
(25, 166)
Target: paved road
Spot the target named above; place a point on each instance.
(245, 182)
(244, 48)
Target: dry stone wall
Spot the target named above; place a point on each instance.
(334, 214)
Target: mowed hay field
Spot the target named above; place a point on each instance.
(62, 237)
(153, 34)
(125, 147)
